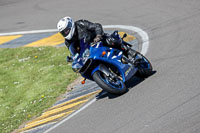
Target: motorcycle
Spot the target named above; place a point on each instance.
(110, 67)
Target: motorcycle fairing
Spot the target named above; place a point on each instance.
(113, 56)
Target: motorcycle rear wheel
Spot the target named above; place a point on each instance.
(105, 84)
(145, 68)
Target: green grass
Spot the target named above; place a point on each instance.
(30, 81)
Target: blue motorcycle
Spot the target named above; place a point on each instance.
(109, 67)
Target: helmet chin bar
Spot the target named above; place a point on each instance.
(71, 33)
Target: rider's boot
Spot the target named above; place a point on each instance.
(130, 52)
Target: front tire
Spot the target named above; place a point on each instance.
(100, 79)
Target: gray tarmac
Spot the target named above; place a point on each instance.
(166, 102)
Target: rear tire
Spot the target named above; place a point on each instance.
(105, 85)
(145, 68)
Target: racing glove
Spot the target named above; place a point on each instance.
(97, 38)
(69, 59)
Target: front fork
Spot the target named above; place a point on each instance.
(108, 73)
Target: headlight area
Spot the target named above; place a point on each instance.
(86, 66)
(76, 67)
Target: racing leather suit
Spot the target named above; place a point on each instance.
(86, 30)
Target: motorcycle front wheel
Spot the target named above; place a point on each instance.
(114, 86)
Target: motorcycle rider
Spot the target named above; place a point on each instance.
(73, 32)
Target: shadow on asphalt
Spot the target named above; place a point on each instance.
(129, 84)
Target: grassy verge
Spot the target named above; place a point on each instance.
(30, 81)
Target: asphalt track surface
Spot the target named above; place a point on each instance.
(166, 102)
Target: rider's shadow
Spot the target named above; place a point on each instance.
(130, 84)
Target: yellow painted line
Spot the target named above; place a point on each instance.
(43, 121)
(5, 39)
(128, 38)
(55, 112)
(57, 39)
(65, 106)
(76, 99)
(53, 40)
(58, 110)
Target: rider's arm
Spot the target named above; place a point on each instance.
(71, 51)
(67, 44)
(96, 27)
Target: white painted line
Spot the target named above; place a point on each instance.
(70, 116)
(28, 32)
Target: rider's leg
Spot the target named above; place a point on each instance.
(119, 44)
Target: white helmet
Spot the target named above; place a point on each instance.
(66, 27)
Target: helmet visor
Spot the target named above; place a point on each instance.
(67, 30)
